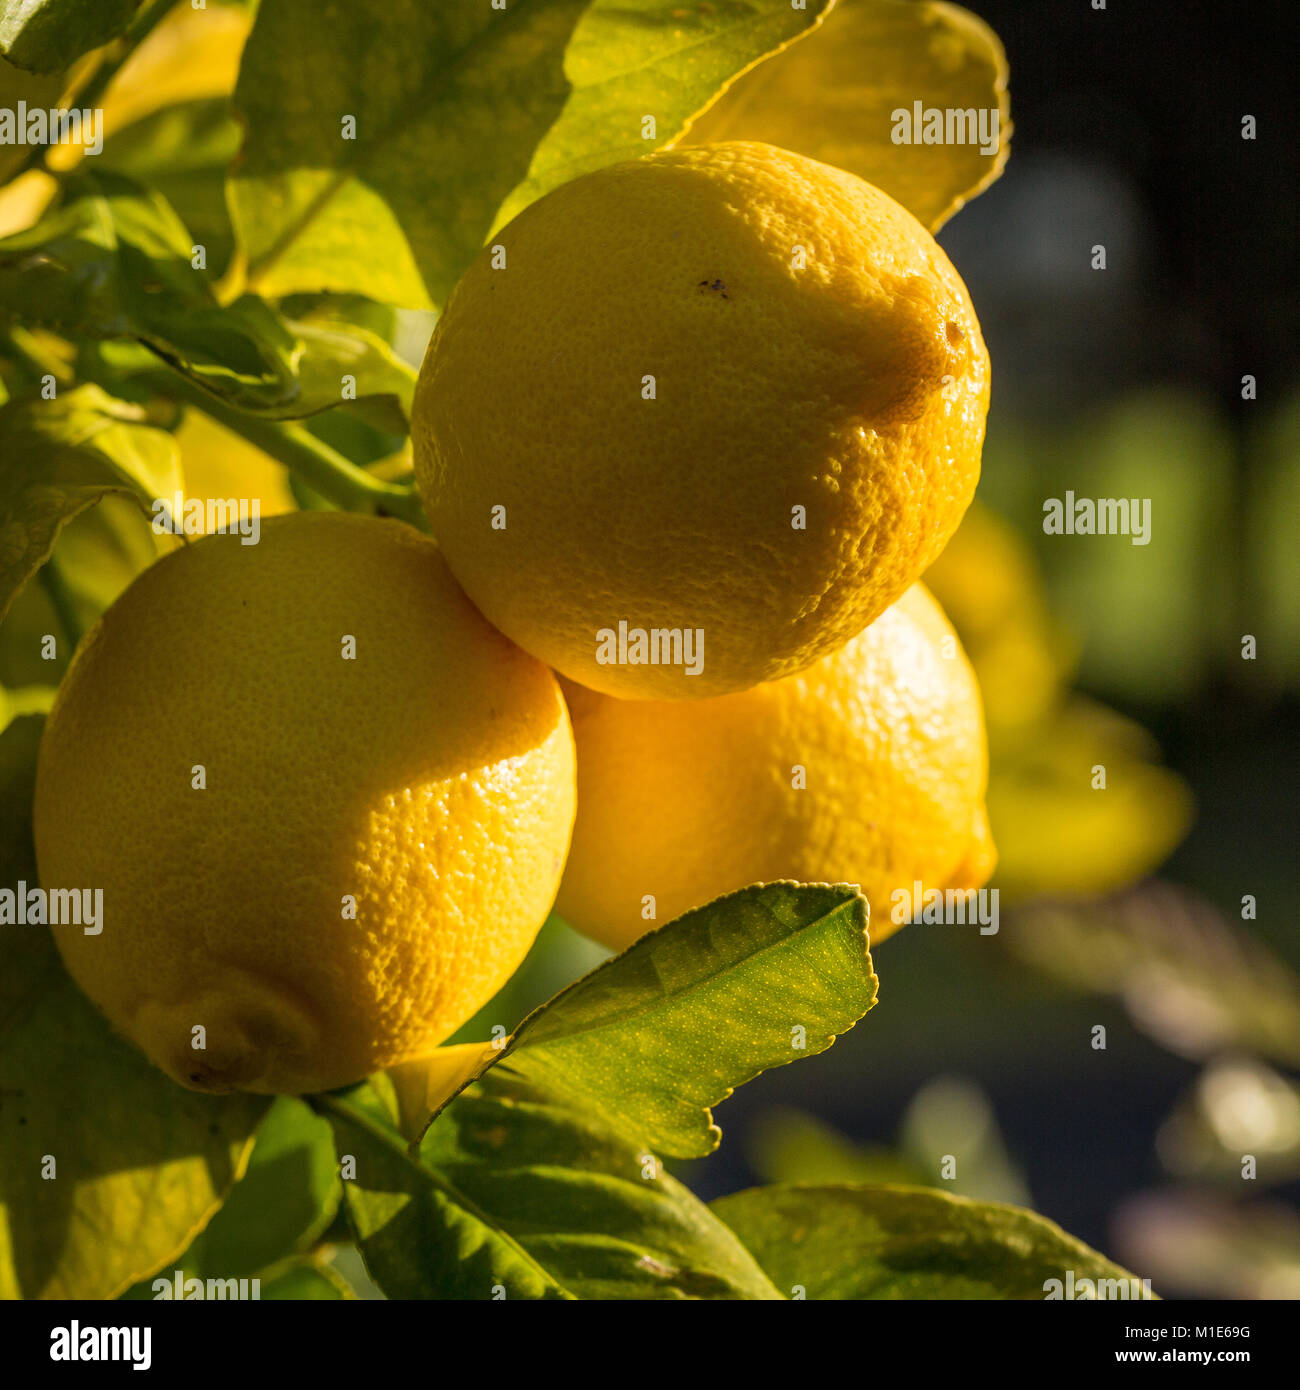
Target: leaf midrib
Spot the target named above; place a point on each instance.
(432, 1178)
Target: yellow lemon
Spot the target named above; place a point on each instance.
(327, 804)
(868, 767)
(691, 422)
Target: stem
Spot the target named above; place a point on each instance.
(322, 468)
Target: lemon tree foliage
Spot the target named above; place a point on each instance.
(58, 457)
(275, 1214)
(304, 1278)
(847, 1240)
(115, 261)
(46, 35)
(549, 1164)
(514, 1190)
(402, 134)
(836, 95)
(762, 977)
(276, 183)
(182, 151)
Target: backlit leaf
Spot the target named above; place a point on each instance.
(860, 1242)
(463, 115)
(834, 96)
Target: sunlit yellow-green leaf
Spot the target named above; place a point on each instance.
(277, 1211)
(401, 134)
(304, 1279)
(59, 457)
(192, 56)
(834, 94)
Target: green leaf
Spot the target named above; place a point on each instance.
(833, 95)
(182, 151)
(513, 1190)
(18, 745)
(47, 35)
(96, 556)
(463, 115)
(114, 261)
(656, 1036)
(304, 1279)
(298, 1277)
(542, 1173)
(24, 700)
(276, 1212)
(139, 1165)
(59, 457)
(860, 1242)
(287, 1197)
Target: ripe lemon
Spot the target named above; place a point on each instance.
(430, 781)
(721, 390)
(869, 768)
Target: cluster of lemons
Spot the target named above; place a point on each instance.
(723, 397)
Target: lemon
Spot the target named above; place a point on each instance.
(692, 421)
(312, 866)
(868, 768)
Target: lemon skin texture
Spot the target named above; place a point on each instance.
(430, 780)
(820, 386)
(684, 801)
